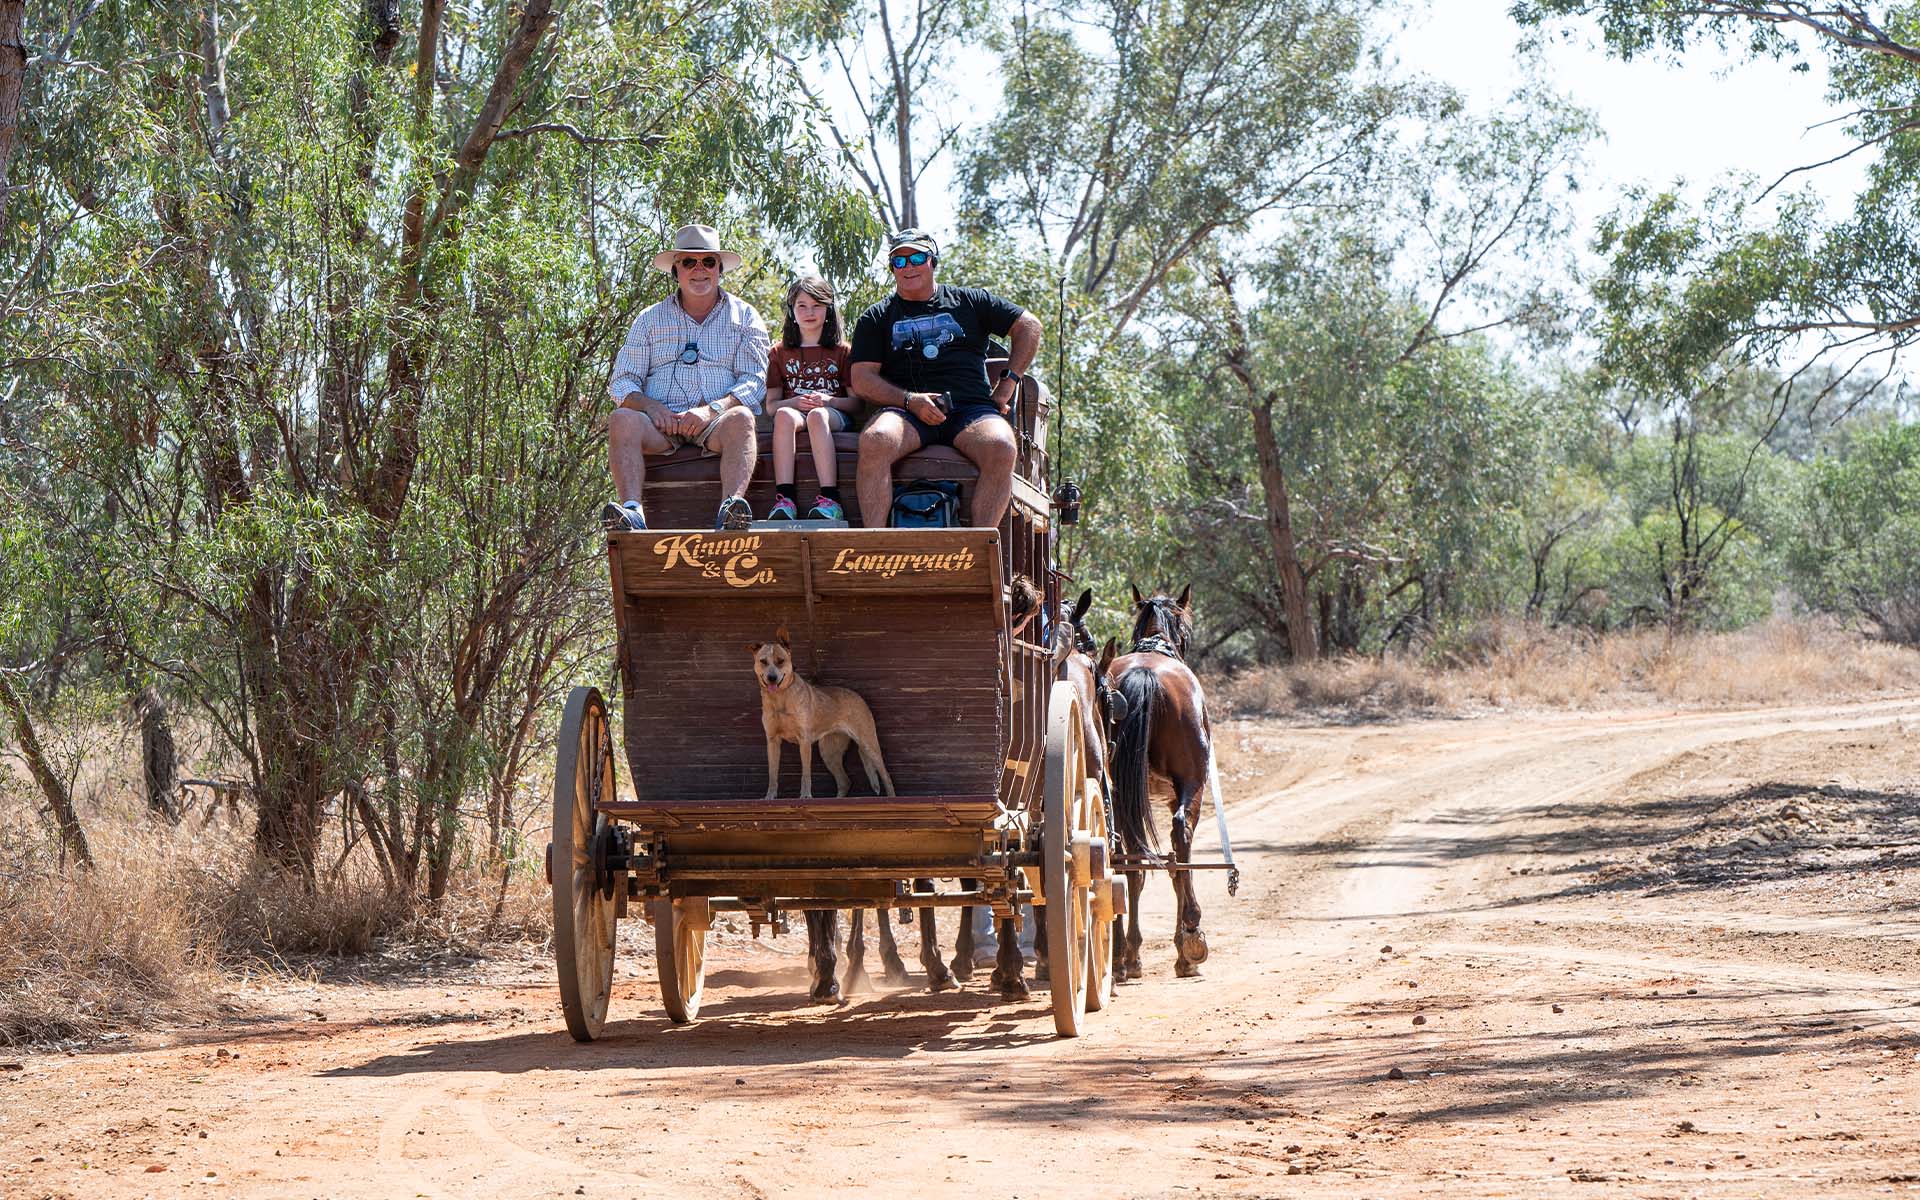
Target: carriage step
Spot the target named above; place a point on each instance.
(801, 525)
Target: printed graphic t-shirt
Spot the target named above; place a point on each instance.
(808, 369)
(935, 345)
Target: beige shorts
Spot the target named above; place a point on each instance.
(676, 442)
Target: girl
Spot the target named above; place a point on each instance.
(807, 385)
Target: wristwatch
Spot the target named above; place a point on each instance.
(1017, 377)
(715, 406)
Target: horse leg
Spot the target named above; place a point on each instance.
(857, 980)
(895, 971)
(1136, 884)
(963, 941)
(1009, 966)
(1042, 969)
(1188, 941)
(822, 930)
(939, 978)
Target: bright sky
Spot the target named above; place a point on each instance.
(1706, 120)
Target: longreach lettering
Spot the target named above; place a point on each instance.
(734, 559)
(849, 562)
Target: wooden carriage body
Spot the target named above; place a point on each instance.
(970, 717)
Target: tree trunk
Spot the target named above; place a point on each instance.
(159, 757)
(73, 840)
(1286, 558)
(13, 73)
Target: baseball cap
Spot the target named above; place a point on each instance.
(911, 239)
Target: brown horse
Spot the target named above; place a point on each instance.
(1161, 746)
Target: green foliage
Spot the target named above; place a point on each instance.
(1857, 551)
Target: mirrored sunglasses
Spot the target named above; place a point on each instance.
(917, 258)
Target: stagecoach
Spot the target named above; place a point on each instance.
(997, 803)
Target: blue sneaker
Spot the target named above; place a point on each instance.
(623, 518)
(783, 510)
(826, 510)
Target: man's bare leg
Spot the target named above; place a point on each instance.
(733, 437)
(990, 445)
(885, 441)
(630, 438)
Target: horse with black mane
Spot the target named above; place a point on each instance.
(1161, 747)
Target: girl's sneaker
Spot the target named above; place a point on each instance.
(826, 510)
(783, 510)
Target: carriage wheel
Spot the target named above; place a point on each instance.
(583, 914)
(1100, 930)
(680, 945)
(1062, 823)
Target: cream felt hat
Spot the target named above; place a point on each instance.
(695, 239)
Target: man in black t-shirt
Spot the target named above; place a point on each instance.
(921, 343)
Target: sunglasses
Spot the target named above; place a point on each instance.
(706, 260)
(917, 258)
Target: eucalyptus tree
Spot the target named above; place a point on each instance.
(331, 297)
(899, 68)
(1774, 283)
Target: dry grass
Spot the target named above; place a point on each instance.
(151, 934)
(1512, 663)
(83, 952)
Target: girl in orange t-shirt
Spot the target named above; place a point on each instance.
(807, 385)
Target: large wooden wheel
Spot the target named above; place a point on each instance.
(680, 945)
(1064, 837)
(583, 913)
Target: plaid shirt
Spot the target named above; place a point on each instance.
(733, 356)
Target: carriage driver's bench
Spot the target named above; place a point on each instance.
(683, 488)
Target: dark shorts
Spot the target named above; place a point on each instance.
(960, 418)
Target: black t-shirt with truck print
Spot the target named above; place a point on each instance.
(935, 345)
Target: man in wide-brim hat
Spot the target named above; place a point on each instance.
(693, 372)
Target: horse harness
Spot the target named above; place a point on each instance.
(1155, 644)
(1158, 644)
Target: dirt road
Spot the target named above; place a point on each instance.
(1645, 954)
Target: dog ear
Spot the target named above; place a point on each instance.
(1081, 605)
(1136, 593)
(1186, 598)
(780, 635)
(753, 648)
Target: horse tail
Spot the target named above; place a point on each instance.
(1132, 814)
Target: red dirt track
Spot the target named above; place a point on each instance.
(1637, 954)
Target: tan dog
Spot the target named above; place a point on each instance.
(793, 710)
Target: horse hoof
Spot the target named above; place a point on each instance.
(1133, 970)
(1186, 970)
(898, 977)
(1192, 945)
(940, 981)
(1012, 990)
(1041, 973)
(962, 967)
(858, 982)
(825, 993)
